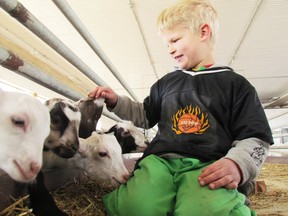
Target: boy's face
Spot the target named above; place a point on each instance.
(184, 46)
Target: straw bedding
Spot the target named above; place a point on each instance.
(84, 197)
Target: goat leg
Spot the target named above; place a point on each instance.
(41, 201)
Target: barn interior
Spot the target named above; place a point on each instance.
(67, 47)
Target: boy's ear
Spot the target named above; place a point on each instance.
(205, 31)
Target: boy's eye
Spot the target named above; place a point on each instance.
(175, 40)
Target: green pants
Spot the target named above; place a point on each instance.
(164, 187)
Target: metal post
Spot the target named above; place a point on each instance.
(19, 12)
(10, 61)
(83, 31)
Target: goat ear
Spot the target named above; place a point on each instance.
(62, 105)
(99, 102)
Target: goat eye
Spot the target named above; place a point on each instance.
(126, 133)
(55, 119)
(18, 122)
(102, 154)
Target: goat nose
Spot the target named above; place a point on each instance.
(126, 177)
(75, 146)
(34, 168)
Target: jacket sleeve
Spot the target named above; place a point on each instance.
(250, 155)
(145, 115)
(130, 110)
(248, 118)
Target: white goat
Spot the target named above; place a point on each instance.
(24, 125)
(107, 163)
(99, 156)
(102, 162)
(63, 140)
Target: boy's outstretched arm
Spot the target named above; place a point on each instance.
(122, 106)
(104, 92)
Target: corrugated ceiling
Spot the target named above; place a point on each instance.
(253, 40)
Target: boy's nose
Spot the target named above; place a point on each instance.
(171, 50)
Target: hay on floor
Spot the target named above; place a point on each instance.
(75, 198)
(85, 197)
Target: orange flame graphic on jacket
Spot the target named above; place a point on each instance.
(190, 120)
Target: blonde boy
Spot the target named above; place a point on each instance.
(213, 134)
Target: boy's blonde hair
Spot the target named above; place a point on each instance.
(191, 13)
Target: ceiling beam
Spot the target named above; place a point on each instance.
(245, 33)
(22, 15)
(72, 17)
(281, 102)
(132, 5)
(12, 62)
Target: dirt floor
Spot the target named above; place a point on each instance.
(275, 200)
(84, 198)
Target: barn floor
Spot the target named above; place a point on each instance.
(84, 197)
(273, 202)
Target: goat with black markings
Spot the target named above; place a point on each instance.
(129, 137)
(67, 119)
(99, 156)
(91, 111)
(63, 140)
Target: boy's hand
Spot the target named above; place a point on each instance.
(222, 173)
(104, 92)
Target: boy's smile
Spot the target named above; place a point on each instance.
(178, 58)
